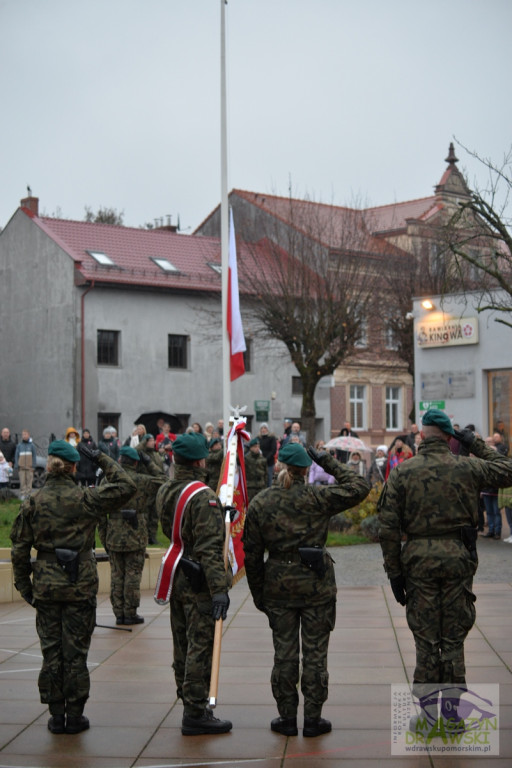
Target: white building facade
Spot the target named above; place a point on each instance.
(463, 362)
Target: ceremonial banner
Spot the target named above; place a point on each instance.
(232, 491)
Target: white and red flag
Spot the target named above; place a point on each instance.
(234, 320)
(232, 490)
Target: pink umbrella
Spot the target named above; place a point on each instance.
(347, 443)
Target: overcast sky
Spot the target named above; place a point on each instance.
(117, 102)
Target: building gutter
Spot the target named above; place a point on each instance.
(82, 349)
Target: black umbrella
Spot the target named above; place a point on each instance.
(150, 421)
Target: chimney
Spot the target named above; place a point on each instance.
(161, 227)
(31, 205)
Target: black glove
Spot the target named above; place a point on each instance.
(465, 437)
(144, 458)
(323, 459)
(29, 598)
(89, 453)
(220, 605)
(398, 587)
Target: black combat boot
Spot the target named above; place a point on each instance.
(120, 620)
(76, 723)
(56, 724)
(285, 725)
(205, 723)
(315, 726)
(133, 619)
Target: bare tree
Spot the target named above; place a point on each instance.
(311, 283)
(479, 237)
(428, 269)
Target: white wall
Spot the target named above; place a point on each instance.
(492, 352)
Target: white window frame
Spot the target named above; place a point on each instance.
(393, 407)
(357, 402)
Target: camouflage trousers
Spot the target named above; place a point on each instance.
(440, 612)
(152, 523)
(125, 577)
(65, 631)
(313, 624)
(193, 629)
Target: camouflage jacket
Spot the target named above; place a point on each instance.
(256, 473)
(62, 514)
(202, 527)
(126, 535)
(213, 467)
(282, 520)
(436, 493)
(156, 460)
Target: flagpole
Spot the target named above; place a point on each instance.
(224, 226)
(226, 351)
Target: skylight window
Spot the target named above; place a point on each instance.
(102, 258)
(165, 265)
(216, 267)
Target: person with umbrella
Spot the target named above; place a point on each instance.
(346, 431)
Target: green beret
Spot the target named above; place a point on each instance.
(63, 450)
(295, 455)
(191, 446)
(436, 418)
(147, 436)
(254, 441)
(129, 452)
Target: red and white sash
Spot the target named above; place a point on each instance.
(172, 557)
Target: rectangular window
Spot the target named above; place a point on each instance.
(108, 347)
(297, 388)
(107, 420)
(390, 339)
(177, 351)
(362, 339)
(248, 355)
(358, 406)
(392, 407)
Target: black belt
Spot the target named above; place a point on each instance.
(119, 515)
(453, 535)
(51, 557)
(285, 557)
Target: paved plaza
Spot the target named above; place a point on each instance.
(135, 717)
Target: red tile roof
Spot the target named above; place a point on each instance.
(331, 221)
(131, 250)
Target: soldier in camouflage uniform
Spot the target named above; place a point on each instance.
(195, 606)
(147, 446)
(433, 499)
(296, 586)
(124, 535)
(59, 521)
(255, 469)
(214, 462)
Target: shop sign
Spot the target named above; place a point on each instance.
(448, 332)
